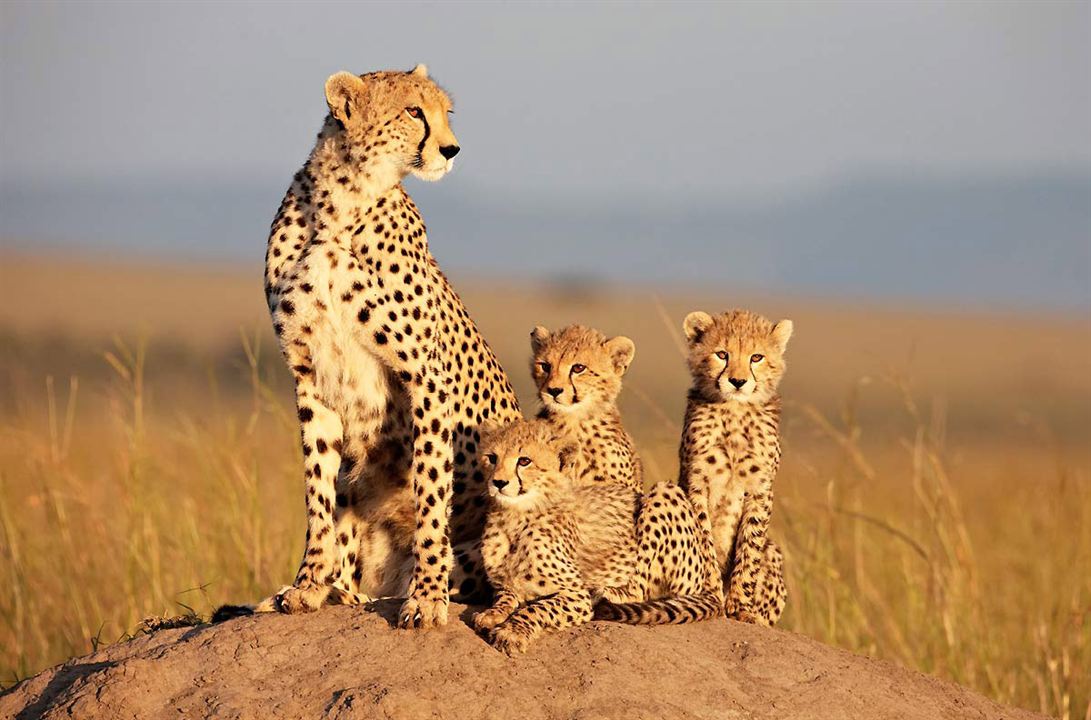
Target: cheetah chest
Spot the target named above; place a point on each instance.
(747, 446)
(320, 330)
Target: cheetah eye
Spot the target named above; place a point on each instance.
(756, 358)
(491, 458)
(722, 354)
(545, 367)
(524, 461)
(577, 368)
(414, 112)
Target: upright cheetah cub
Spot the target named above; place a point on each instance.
(550, 542)
(578, 373)
(730, 452)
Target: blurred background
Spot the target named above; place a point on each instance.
(910, 182)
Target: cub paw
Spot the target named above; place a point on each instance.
(423, 612)
(509, 641)
(488, 619)
(305, 597)
(747, 616)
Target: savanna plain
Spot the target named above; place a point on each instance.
(934, 501)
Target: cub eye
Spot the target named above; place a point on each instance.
(756, 358)
(524, 461)
(491, 458)
(722, 355)
(414, 112)
(545, 367)
(577, 368)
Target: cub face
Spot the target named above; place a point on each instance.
(577, 368)
(736, 356)
(526, 464)
(394, 119)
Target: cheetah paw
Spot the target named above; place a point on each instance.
(423, 612)
(510, 642)
(305, 597)
(748, 617)
(488, 619)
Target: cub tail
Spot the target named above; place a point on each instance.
(667, 611)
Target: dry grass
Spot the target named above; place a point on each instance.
(943, 523)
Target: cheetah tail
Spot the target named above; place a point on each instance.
(668, 611)
(337, 596)
(228, 612)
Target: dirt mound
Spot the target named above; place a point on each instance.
(347, 663)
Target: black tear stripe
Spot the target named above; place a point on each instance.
(427, 131)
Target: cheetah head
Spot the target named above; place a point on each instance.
(527, 465)
(736, 356)
(577, 368)
(392, 123)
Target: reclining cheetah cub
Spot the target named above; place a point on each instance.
(392, 377)
(550, 542)
(578, 374)
(730, 452)
(553, 544)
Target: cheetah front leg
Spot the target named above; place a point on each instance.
(321, 431)
(750, 555)
(566, 608)
(702, 460)
(433, 464)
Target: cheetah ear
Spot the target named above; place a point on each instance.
(782, 331)
(621, 351)
(421, 70)
(344, 93)
(538, 337)
(695, 325)
(488, 430)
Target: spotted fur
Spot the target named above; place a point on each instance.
(392, 377)
(550, 542)
(676, 578)
(578, 374)
(730, 452)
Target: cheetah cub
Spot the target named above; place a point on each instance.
(578, 372)
(550, 542)
(730, 452)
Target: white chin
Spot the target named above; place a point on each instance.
(431, 174)
(731, 393)
(554, 406)
(523, 502)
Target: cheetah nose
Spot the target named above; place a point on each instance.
(449, 151)
(737, 382)
(555, 392)
(499, 484)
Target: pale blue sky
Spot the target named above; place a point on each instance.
(933, 151)
(608, 97)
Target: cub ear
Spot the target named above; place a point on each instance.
(621, 351)
(344, 95)
(695, 325)
(488, 430)
(421, 70)
(782, 331)
(538, 337)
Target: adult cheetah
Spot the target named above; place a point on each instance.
(392, 377)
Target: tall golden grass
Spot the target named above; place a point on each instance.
(129, 490)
